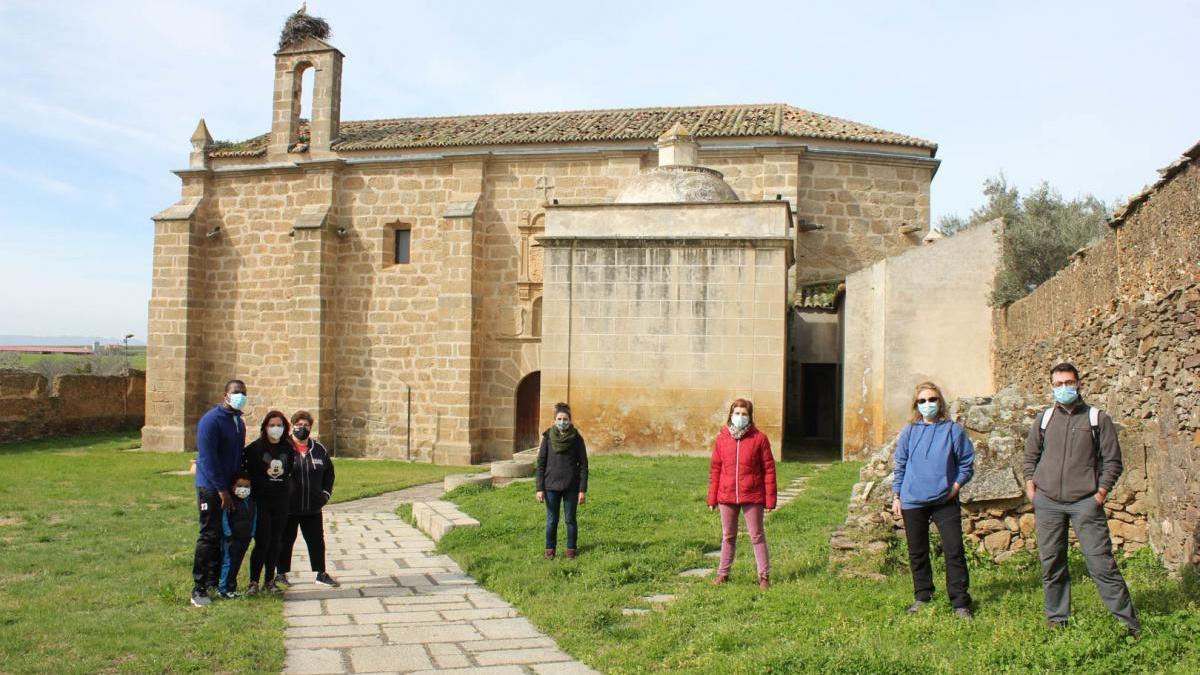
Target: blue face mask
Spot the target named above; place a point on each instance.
(1066, 395)
(927, 410)
(237, 401)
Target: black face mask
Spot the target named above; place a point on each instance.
(301, 433)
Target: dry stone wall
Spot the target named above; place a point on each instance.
(997, 517)
(1126, 313)
(31, 407)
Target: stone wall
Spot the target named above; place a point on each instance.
(650, 338)
(32, 408)
(1125, 312)
(997, 518)
(295, 292)
(919, 316)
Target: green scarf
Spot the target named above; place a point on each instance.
(562, 441)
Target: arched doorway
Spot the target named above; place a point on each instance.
(529, 400)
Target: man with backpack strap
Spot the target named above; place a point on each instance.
(1072, 461)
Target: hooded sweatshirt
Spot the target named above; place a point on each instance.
(930, 459)
(220, 436)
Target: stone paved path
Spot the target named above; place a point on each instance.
(403, 608)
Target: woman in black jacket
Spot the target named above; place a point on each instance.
(269, 462)
(312, 486)
(562, 476)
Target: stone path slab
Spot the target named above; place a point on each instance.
(402, 607)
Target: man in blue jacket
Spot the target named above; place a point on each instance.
(220, 437)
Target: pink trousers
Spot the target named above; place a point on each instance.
(753, 514)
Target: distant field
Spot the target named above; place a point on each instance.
(137, 359)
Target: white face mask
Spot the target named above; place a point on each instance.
(241, 492)
(275, 433)
(739, 421)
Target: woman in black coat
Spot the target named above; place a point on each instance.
(562, 475)
(312, 486)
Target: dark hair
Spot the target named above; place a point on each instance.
(561, 407)
(241, 475)
(302, 415)
(262, 430)
(1065, 367)
(233, 382)
(740, 403)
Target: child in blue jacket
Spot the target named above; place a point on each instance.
(237, 529)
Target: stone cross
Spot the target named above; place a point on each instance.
(545, 185)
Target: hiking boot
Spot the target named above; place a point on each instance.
(272, 587)
(964, 613)
(763, 582)
(570, 554)
(549, 554)
(282, 579)
(200, 598)
(324, 579)
(915, 607)
(721, 579)
(252, 589)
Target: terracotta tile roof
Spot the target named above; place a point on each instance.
(727, 121)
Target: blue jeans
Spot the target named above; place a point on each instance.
(570, 502)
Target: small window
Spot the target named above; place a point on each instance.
(402, 243)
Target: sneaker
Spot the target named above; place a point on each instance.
(282, 579)
(271, 587)
(229, 595)
(252, 589)
(200, 598)
(964, 613)
(213, 591)
(570, 554)
(915, 607)
(721, 579)
(763, 582)
(324, 579)
(549, 554)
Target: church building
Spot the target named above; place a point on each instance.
(428, 287)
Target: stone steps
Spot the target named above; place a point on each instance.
(438, 518)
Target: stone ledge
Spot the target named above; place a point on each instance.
(439, 518)
(459, 479)
(512, 469)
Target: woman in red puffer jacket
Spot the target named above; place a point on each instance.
(742, 478)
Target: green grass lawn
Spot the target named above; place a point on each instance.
(96, 554)
(645, 521)
(137, 359)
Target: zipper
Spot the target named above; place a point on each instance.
(737, 454)
(1062, 469)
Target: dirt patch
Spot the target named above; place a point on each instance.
(9, 521)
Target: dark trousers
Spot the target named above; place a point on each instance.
(234, 551)
(206, 565)
(570, 503)
(949, 524)
(268, 536)
(1091, 528)
(313, 527)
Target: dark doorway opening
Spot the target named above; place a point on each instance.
(529, 401)
(819, 416)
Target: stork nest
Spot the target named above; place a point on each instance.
(300, 26)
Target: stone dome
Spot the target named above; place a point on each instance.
(676, 184)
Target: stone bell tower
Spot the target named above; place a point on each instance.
(302, 46)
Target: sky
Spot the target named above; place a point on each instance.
(98, 99)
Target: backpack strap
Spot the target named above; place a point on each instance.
(1046, 415)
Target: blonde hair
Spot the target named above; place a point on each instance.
(942, 412)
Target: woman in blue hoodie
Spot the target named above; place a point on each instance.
(934, 459)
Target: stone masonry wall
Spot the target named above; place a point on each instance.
(997, 517)
(31, 408)
(262, 299)
(1126, 313)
